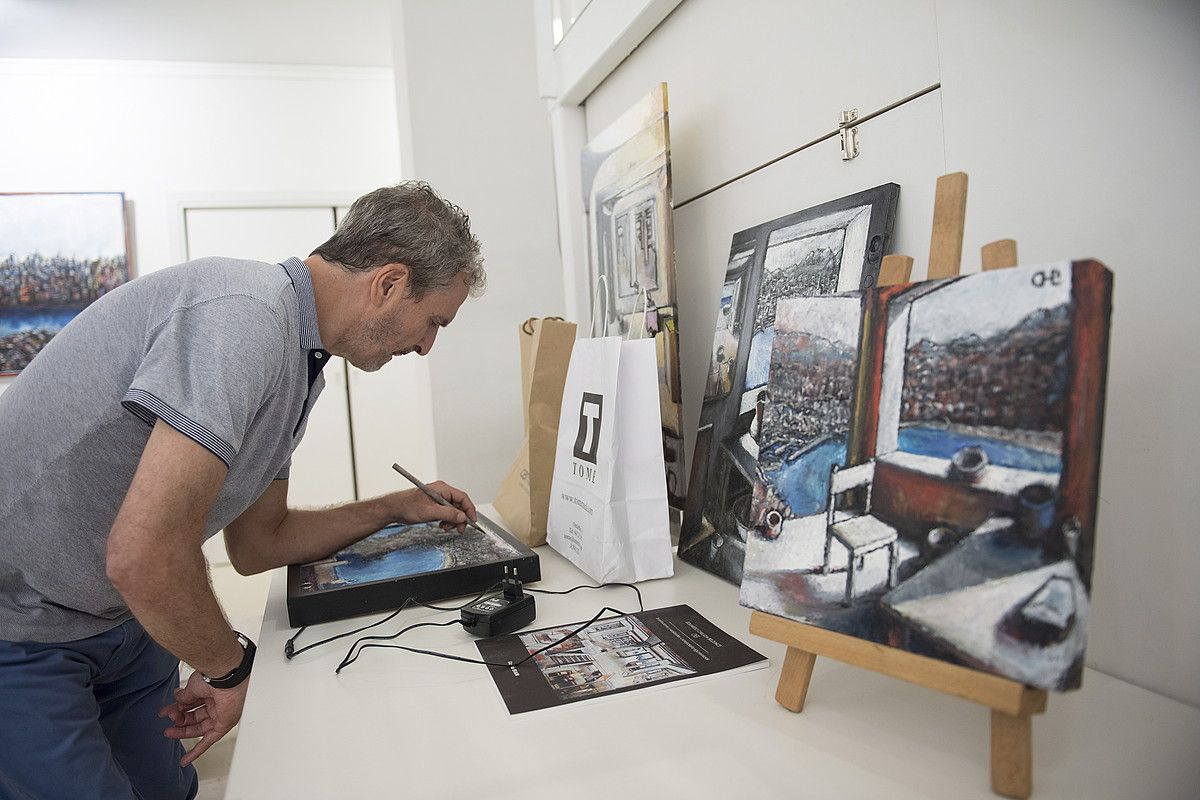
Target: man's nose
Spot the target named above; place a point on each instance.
(425, 345)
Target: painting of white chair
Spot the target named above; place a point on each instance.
(860, 534)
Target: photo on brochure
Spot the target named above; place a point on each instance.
(612, 655)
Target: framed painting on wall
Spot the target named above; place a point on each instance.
(930, 464)
(627, 195)
(58, 253)
(836, 246)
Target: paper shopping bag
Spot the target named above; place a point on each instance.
(608, 505)
(512, 498)
(524, 495)
(525, 334)
(552, 345)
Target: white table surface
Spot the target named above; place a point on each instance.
(398, 724)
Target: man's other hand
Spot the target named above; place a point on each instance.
(219, 711)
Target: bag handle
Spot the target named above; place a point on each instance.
(601, 283)
(641, 331)
(527, 325)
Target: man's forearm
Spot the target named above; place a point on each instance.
(305, 535)
(270, 535)
(153, 554)
(167, 589)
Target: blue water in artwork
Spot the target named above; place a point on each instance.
(13, 320)
(804, 482)
(944, 444)
(758, 366)
(395, 564)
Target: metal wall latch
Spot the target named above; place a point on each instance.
(849, 135)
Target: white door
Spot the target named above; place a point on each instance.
(322, 468)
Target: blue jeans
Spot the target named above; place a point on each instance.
(80, 719)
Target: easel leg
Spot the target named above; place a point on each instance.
(1012, 754)
(793, 680)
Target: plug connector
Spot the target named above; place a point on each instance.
(498, 613)
(512, 585)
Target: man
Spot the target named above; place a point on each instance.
(166, 411)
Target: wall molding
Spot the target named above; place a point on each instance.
(85, 67)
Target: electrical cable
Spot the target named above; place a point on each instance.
(641, 606)
(289, 646)
(393, 636)
(352, 656)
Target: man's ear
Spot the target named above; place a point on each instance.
(390, 282)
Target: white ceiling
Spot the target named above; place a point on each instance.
(331, 32)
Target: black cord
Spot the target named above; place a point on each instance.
(352, 656)
(641, 606)
(289, 647)
(347, 661)
(290, 651)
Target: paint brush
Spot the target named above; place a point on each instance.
(432, 495)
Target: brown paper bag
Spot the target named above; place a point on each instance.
(525, 334)
(512, 499)
(552, 344)
(523, 500)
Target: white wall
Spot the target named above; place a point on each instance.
(1054, 109)
(163, 131)
(1075, 121)
(345, 33)
(467, 91)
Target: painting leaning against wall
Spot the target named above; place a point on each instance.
(627, 195)
(58, 253)
(929, 467)
(836, 246)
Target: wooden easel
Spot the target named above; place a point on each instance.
(1012, 704)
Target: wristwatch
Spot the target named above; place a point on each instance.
(240, 672)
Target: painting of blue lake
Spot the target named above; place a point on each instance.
(396, 564)
(959, 421)
(17, 319)
(942, 443)
(401, 551)
(803, 480)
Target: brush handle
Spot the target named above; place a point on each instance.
(431, 494)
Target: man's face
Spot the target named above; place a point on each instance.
(400, 325)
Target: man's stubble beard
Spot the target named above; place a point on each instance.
(365, 340)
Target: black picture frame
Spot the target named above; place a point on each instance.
(308, 605)
(723, 476)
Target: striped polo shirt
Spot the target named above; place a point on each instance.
(225, 351)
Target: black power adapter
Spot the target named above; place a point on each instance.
(500, 613)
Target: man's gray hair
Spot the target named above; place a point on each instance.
(409, 224)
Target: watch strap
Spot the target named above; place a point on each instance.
(239, 673)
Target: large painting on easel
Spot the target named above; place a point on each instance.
(929, 467)
(627, 194)
(836, 246)
(58, 253)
